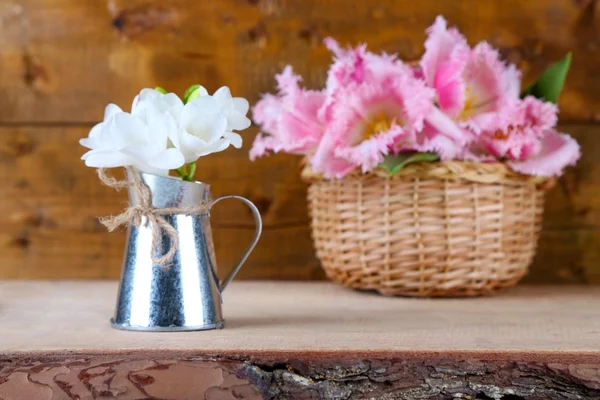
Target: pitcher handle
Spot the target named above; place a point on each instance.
(257, 234)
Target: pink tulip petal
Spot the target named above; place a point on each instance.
(557, 151)
(327, 163)
(369, 153)
(289, 119)
(450, 88)
(440, 44)
(447, 127)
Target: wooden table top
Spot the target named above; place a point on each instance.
(73, 316)
(303, 341)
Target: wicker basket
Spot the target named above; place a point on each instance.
(434, 229)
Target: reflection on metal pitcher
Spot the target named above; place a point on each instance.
(184, 294)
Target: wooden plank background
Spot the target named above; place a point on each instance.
(62, 61)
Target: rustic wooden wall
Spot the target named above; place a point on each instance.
(62, 61)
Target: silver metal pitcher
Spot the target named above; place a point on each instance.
(185, 294)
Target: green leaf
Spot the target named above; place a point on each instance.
(549, 85)
(393, 164)
(159, 89)
(189, 92)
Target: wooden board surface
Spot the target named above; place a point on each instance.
(271, 317)
(62, 61)
(49, 228)
(304, 341)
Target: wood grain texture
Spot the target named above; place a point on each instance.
(64, 60)
(49, 226)
(310, 319)
(51, 230)
(299, 341)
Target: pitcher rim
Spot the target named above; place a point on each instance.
(174, 178)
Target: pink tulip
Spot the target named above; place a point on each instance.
(374, 106)
(289, 119)
(461, 103)
(471, 84)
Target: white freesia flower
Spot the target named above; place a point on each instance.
(152, 102)
(161, 133)
(207, 123)
(124, 139)
(202, 129)
(234, 109)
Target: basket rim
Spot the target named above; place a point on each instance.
(485, 173)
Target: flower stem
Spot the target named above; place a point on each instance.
(184, 174)
(181, 171)
(192, 170)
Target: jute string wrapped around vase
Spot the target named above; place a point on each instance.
(135, 214)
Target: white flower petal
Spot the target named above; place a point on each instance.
(172, 100)
(215, 147)
(96, 131)
(202, 118)
(90, 143)
(241, 105)
(234, 138)
(106, 159)
(168, 159)
(158, 129)
(128, 129)
(211, 129)
(111, 110)
(143, 166)
(191, 147)
(146, 95)
(237, 121)
(223, 96)
(204, 105)
(175, 137)
(135, 102)
(150, 94)
(110, 138)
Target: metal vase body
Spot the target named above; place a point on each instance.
(185, 293)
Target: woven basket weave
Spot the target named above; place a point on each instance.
(434, 229)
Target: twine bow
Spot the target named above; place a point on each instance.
(135, 214)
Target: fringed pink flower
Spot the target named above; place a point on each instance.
(471, 84)
(289, 119)
(354, 66)
(516, 133)
(440, 135)
(525, 138)
(556, 151)
(370, 118)
(461, 103)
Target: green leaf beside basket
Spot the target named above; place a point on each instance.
(549, 85)
(393, 164)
